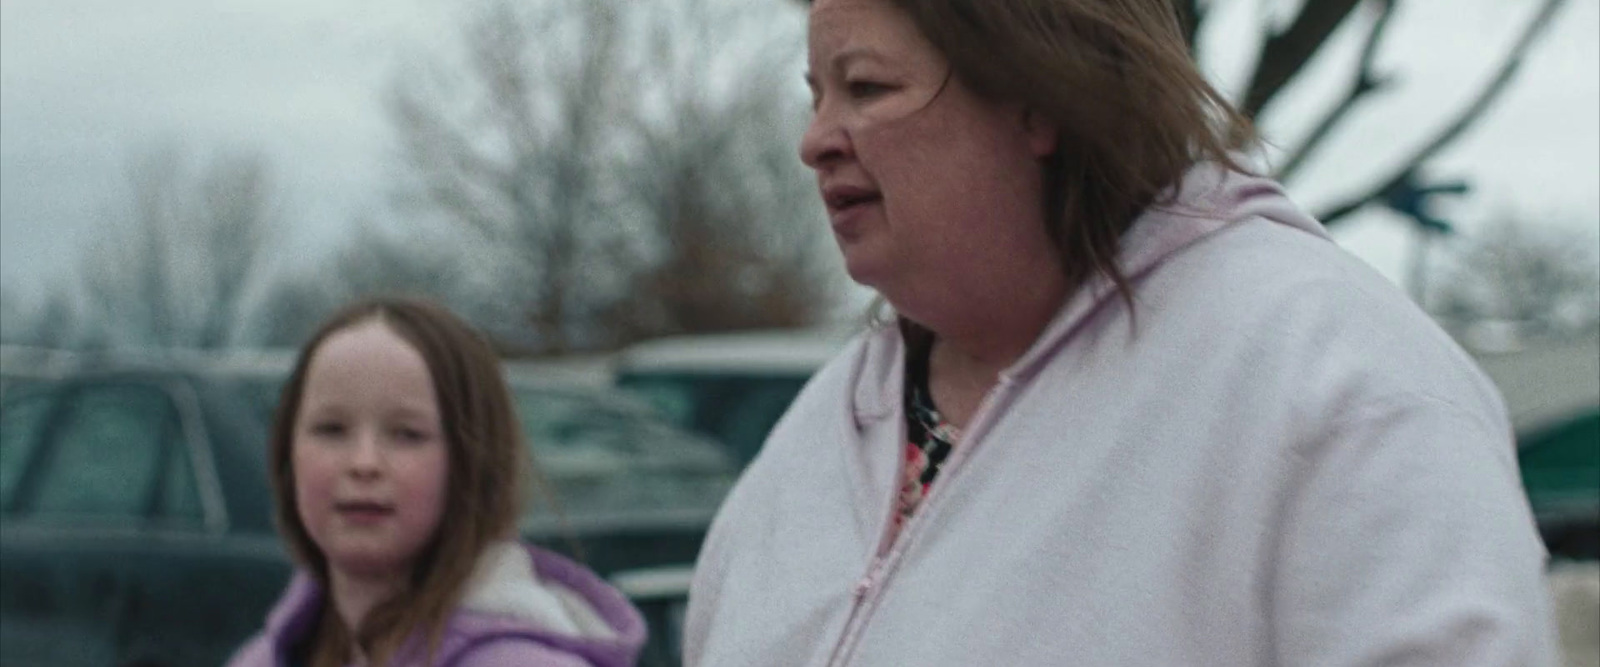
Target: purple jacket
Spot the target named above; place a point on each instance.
(523, 606)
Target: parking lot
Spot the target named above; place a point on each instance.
(1575, 589)
(637, 490)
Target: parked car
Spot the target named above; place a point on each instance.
(23, 365)
(630, 489)
(1561, 471)
(136, 521)
(733, 387)
(137, 511)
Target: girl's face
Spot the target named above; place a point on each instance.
(370, 458)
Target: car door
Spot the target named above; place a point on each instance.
(96, 474)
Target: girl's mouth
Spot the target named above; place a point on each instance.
(362, 511)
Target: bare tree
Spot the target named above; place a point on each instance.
(15, 320)
(376, 262)
(716, 272)
(1286, 51)
(50, 320)
(735, 213)
(1368, 81)
(1542, 278)
(510, 148)
(379, 262)
(573, 140)
(176, 272)
(292, 307)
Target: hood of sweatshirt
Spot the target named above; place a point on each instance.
(515, 591)
(1208, 200)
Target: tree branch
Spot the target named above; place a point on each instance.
(1470, 114)
(1191, 14)
(1367, 81)
(1285, 53)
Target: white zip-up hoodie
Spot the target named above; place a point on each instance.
(1284, 463)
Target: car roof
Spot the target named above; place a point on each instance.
(276, 363)
(1546, 383)
(37, 362)
(775, 350)
(603, 395)
(234, 438)
(584, 370)
(22, 361)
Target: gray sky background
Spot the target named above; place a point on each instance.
(87, 84)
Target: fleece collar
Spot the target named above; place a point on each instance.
(505, 584)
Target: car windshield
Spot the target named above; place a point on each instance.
(604, 456)
(738, 410)
(262, 395)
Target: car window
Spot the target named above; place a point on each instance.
(671, 395)
(261, 393)
(22, 418)
(571, 437)
(750, 410)
(606, 456)
(117, 445)
(179, 500)
(737, 410)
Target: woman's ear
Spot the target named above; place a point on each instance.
(1041, 133)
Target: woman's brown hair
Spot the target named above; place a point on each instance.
(1116, 79)
(487, 462)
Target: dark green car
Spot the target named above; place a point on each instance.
(1561, 471)
(1552, 390)
(136, 522)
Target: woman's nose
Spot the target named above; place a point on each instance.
(825, 141)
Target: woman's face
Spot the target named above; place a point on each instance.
(369, 455)
(921, 178)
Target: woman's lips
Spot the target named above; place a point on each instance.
(845, 208)
(840, 196)
(845, 215)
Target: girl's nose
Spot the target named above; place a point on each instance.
(367, 457)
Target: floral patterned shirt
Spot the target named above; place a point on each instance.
(929, 441)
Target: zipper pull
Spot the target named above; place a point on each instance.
(863, 586)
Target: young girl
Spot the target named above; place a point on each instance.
(396, 465)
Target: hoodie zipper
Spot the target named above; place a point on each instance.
(869, 589)
(880, 551)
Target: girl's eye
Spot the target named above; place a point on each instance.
(327, 428)
(410, 435)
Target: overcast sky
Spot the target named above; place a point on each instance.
(85, 85)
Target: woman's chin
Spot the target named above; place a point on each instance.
(865, 267)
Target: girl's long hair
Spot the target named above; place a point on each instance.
(487, 464)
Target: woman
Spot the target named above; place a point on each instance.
(1136, 407)
(396, 468)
